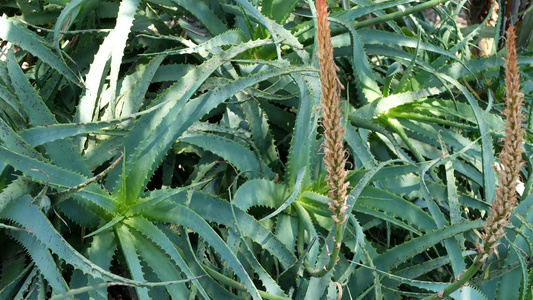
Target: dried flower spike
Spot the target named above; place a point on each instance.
(334, 152)
(335, 155)
(510, 158)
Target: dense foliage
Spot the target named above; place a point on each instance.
(173, 149)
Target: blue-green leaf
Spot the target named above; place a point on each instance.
(32, 43)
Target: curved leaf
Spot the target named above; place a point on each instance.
(32, 43)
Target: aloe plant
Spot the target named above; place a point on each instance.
(171, 149)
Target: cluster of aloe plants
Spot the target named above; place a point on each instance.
(173, 149)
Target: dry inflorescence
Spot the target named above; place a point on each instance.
(335, 155)
(510, 158)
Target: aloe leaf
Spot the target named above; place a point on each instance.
(229, 37)
(278, 32)
(315, 202)
(366, 80)
(180, 215)
(260, 192)
(524, 268)
(278, 10)
(201, 11)
(452, 248)
(270, 284)
(101, 251)
(136, 85)
(360, 149)
(489, 176)
(464, 40)
(422, 135)
(63, 22)
(305, 30)
(40, 135)
(112, 47)
(317, 286)
(277, 115)
(261, 133)
(39, 287)
(127, 244)
(402, 84)
(294, 194)
(166, 108)
(213, 288)
(451, 245)
(30, 42)
(57, 177)
(466, 292)
(26, 7)
(63, 153)
(81, 212)
(397, 180)
(416, 271)
(351, 200)
(178, 120)
(29, 165)
(11, 107)
(453, 200)
(126, 14)
(390, 141)
(110, 224)
(288, 279)
(43, 260)
(32, 219)
(512, 282)
(105, 285)
(165, 270)
(357, 248)
(458, 71)
(78, 280)
(215, 210)
(363, 182)
(29, 283)
(16, 143)
(302, 149)
(306, 222)
(152, 233)
(400, 55)
(287, 230)
(132, 100)
(393, 257)
(380, 215)
(382, 106)
(379, 37)
(93, 197)
(171, 72)
(332, 291)
(237, 154)
(395, 206)
(9, 289)
(162, 196)
(438, 190)
(437, 134)
(433, 111)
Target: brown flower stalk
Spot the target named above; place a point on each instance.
(510, 157)
(510, 165)
(335, 155)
